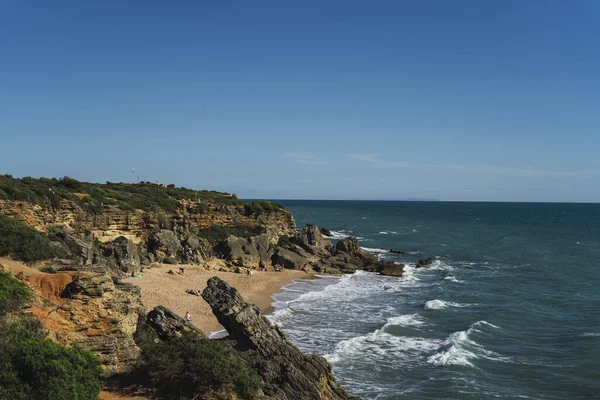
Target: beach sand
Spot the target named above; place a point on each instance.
(160, 288)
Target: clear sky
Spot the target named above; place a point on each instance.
(452, 100)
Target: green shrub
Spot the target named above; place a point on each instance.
(48, 269)
(189, 367)
(35, 368)
(261, 207)
(13, 294)
(218, 233)
(23, 241)
(49, 193)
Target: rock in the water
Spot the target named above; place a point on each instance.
(169, 325)
(423, 263)
(287, 373)
(396, 251)
(326, 232)
(391, 269)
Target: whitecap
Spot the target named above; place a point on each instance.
(405, 320)
(383, 233)
(379, 345)
(376, 251)
(592, 334)
(441, 304)
(460, 349)
(337, 235)
(453, 279)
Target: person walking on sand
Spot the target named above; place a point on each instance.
(188, 317)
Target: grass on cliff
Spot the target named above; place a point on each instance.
(23, 241)
(92, 197)
(190, 367)
(32, 367)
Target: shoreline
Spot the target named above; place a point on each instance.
(160, 288)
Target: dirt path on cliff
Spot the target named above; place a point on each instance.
(160, 288)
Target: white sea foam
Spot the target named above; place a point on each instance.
(379, 345)
(453, 279)
(592, 334)
(383, 233)
(280, 315)
(460, 349)
(441, 304)
(337, 235)
(406, 320)
(376, 251)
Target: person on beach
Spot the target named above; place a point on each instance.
(188, 317)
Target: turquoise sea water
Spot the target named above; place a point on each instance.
(509, 309)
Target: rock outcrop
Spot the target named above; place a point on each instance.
(169, 325)
(425, 262)
(287, 373)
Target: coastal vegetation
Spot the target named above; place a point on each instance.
(191, 367)
(34, 367)
(92, 197)
(23, 241)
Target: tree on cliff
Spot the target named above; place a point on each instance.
(32, 367)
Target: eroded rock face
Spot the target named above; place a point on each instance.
(289, 259)
(287, 373)
(123, 253)
(99, 315)
(165, 245)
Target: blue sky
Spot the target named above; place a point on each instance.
(461, 100)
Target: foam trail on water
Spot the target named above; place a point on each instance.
(441, 304)
(460, 349)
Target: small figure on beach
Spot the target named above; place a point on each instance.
(248, 272)
(188, 317)
(195, 292)
(181, 271)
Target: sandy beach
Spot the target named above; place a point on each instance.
(160, 288)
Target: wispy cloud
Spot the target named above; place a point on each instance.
(305, 158)
(374, 161)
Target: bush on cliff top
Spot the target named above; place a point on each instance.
(23, 241)
(93, 196)
(260, 207)
(35, 368)
(190, 367)
(13, 294)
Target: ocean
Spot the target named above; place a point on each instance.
(509, 309)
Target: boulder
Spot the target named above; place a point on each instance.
(348, 245)
(169, 325)
(289, 259)
(423, 263)
(326, 232)
(80, 246)
(164, 244)
(287, 373)
(238, 250)
(396, 251)
(390, 268)
(310, 236)
(123, 253)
